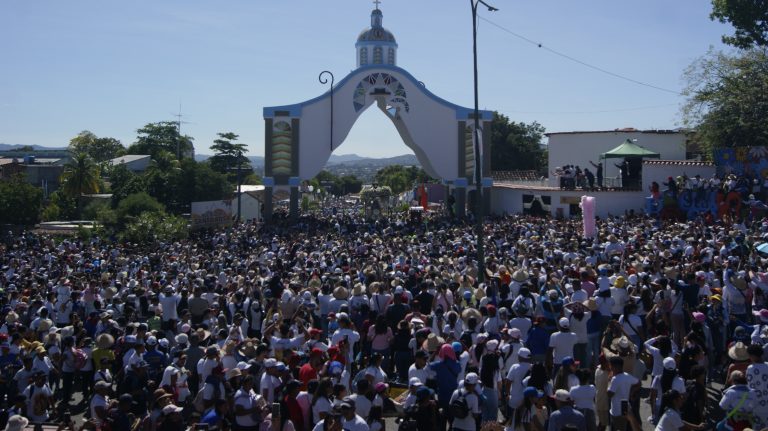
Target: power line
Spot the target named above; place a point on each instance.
(601, 111)
(576, 60)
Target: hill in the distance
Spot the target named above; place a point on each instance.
(349, 160)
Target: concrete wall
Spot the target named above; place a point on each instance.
(251, 208)
(579, 148)
(510, 200)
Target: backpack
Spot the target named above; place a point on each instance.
(459, 408)
(80, 358)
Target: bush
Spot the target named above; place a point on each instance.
(152, 227)
(135, 205)
(51, 212)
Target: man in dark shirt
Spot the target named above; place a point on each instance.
(397, 310)
(135, 384)
(425, 299)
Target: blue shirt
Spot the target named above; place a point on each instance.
(566, 415)
(446, 374)
(211, 418)
(538, 340)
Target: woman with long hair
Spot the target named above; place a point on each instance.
(668, 380)
(670, 419)
(321, 400)
(527, 416)
(380, 336)
(566, 375)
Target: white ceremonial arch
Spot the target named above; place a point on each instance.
(300, 138)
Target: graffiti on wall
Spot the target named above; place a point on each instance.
(749, 161)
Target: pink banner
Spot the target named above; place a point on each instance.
(588, 213)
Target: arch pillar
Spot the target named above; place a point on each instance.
(269, 192)
(293, 207)
(460, 195)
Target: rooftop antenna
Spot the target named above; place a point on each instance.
(179, 116)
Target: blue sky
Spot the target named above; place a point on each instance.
(111, 67)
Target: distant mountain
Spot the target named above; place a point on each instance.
(9, 147)
(350, 160)
(344, 158)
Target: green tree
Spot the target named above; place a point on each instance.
(135, 205)
(152, 227)
(349, 184)
(400, 178)
(516, 146)
(80, 176)
(748, 17)
(123, 182)
(227, 154)
(727, 99)
(100, 149)
(20, 202)
(163, 136)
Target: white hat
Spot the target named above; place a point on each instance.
(172, 408)
(492, 345)
(399, 290)
(624, 342)
(182, 338)
(414, 381)
(152, 340)
(17, 423)
(562, 395)
(471, 379)
(243, 365)
(270, 363)
(564, 322)
(524, 353)
(514, 332)
(669, 364)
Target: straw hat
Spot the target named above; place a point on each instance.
(738, 352)
(432, 343)
(45, 325)
(11, 317)
(340, 293)
(520, 275)
(358, 289)
(248, 349)
(203, 335)
(470, 312)
(104, 341)
(590, 304)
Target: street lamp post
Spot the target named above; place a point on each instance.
(325, 81)
(479, 231)
(239, 184)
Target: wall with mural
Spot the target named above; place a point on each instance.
(749, 161)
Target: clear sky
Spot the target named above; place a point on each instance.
(113, 66)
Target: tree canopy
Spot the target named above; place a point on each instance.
(749, 19)
(516, 146)
(727, 99)
(163, 136)
(99, 149)
(80, 176)
(20, 202)
(400, 178)
(228, 154)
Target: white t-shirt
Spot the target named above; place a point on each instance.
(579, 327)
(169, 304)
(36, 392)
(355, 424)
(633, 321)
(677, 384)
(247, 400)
(422, 374)
(467, 423)
(670, 421)
(322, 405)
(562, 343)
(523, 324)
(362, 405)
(352, 336)
(516, 375)
(209, 391)
(98, 401)
(584, 396)
(620, 385)
(269, 383)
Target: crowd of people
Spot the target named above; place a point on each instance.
(339, 323)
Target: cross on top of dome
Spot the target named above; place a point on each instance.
(377, 3)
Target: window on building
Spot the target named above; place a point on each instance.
(378, 55)
(363, 56)
(391, 56)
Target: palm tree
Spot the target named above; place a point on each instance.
(80, 176)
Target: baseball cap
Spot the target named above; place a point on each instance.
(524, 353)
(471, 379)
(514, 332)
(567, 361)
(270, 363)
(564, 322)
(172, 408)
(562, 395)
(669, 364)
(530, 391)
(414, 382)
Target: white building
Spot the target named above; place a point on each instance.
(579, 148)
(133, 162)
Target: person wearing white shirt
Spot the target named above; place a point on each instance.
(345, 332)
(248, 404)
(99, 403)
(514, 379)
(419, 368)
(470, 396)
(669, 379)
(583, 397)
(561, 343)
(621, 389)
(169, 301)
